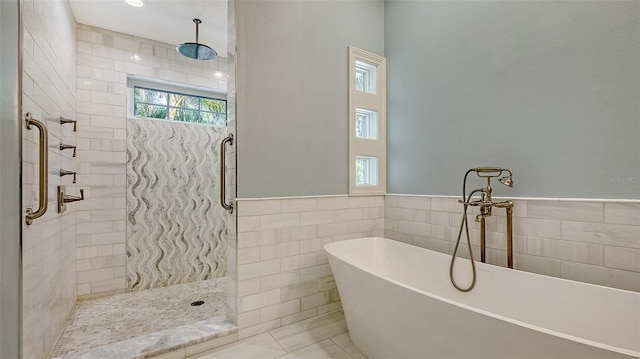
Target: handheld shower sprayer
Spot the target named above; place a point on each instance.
(507, 180)
(486, 204)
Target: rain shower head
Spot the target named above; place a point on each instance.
(195, 50)
(507, 180)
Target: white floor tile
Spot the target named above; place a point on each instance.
(325, 349)
(261, 346)
(344, 342)
(301, 334)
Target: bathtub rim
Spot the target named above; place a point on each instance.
(329, 249)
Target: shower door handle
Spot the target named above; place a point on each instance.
(43, 174)
(223, 180)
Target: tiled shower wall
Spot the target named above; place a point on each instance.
(593, 241)
(283, 272)
(231, 236)
(104, 59)
(48, 247)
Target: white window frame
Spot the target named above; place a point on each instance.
(370, 123)
(134, 81)
(376, 102)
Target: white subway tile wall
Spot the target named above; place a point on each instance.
(104, 59)
(283, 273)
(232, 251)
(590, 241)
(48, 248)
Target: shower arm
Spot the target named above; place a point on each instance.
(197, 21)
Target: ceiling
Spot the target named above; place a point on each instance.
(168, 21)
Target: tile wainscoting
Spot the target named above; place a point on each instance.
(283, 272)
(593, 241)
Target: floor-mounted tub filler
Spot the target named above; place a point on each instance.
(399, 303)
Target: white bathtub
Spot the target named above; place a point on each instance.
(399, 303)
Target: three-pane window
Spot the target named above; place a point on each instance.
(179, 107)
(367, 122)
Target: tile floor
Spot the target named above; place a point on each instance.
(325, 336)
(99, 322)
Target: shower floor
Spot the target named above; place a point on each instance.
(147, 318)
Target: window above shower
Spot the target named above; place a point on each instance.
(153, 103)
(155, 99)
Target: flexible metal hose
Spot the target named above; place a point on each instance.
(464, 225)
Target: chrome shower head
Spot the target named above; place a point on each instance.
(507, 180)
(195, 50)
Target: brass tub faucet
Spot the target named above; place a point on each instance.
(485, 204)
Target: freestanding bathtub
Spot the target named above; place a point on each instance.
(399, 303)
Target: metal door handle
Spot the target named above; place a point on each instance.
(44, 166)
(223, 179)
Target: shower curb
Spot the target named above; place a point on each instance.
(158, 343)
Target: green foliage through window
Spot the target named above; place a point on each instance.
(360, 173)
(179, 107)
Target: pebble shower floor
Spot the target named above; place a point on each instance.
(103, 321)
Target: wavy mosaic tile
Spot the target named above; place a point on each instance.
(175, 225)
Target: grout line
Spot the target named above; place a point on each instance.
(281, 346)
(550, 199)
(341, 349)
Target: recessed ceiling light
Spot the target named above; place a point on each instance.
(219, 75)
(135, 3)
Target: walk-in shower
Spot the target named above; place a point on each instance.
(175, 247)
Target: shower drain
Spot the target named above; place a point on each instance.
(197, 303)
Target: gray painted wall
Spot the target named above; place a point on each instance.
(292, 92)
(548, 89)
(10, 213)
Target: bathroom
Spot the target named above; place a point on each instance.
(547, 89)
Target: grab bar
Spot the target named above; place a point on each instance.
(44, 166)
(223, 180)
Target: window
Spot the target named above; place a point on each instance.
(366, 171)
(168, 105)
(365, 77)
(367, 122)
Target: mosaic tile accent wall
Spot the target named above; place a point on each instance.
(175, 227)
